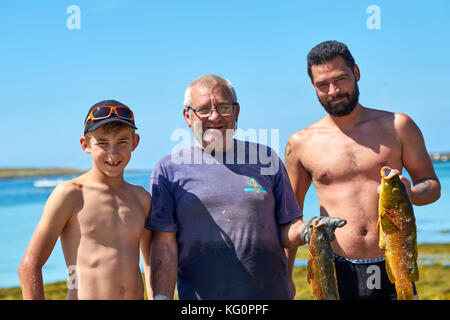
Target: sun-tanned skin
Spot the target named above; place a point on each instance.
(100, 219)
(343, 156)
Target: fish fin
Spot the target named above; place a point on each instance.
(389, 272)
(387, 225)
(381, 242)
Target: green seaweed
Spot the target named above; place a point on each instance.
(433, 284)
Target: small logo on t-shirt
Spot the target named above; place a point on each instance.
(255, 186)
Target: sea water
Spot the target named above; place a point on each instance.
(21, 205)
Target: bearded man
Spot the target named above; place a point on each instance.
(342, 154)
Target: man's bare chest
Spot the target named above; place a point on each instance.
(343, 158)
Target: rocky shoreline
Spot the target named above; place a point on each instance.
(440, 157)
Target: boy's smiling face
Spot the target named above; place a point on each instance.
(110, 151)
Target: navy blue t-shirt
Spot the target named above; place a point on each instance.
(226, 210)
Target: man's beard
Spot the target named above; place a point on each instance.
(341, 109)
(212, 139)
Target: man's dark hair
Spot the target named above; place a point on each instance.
(327, 51)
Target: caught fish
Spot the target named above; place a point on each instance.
(321, 269)
(396, 229)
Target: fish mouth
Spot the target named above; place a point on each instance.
(388, 173)
(318, 224)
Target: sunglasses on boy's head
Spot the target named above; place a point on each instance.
(104, 112)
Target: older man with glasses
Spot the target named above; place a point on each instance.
(221, 224)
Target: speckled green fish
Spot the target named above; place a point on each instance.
(396, 229)
(321, 269)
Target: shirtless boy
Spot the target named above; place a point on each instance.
(99, 217)
(342, 154)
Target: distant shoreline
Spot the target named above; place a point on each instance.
(36, 173)
(440, 157)
(27, 173)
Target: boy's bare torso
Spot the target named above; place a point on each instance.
(101, 241)
(345, 169)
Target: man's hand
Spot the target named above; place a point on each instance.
(420, 190)
(331, 225)
(407, 184)
(405, 181)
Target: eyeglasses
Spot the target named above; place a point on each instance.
(104, 112)
(205, 112)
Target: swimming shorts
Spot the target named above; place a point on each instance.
(364, 279)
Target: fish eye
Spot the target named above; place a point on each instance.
(395, 190)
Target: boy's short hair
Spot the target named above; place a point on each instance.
(91, 124)
(327, 51)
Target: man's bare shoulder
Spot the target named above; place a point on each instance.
(406, 129)
(402, 120)
(396, 120)
(303, 136)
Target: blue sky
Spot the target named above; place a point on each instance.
(144, 54)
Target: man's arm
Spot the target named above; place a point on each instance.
(300, 182)
(298, 176)
(57, 212)
(290, 257)
(291, 249)
(291, 236)
(417, 162)
(164, 263)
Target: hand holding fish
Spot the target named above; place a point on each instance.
(424, 191)
(331, 225)
(321, 269)
(405, 181)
